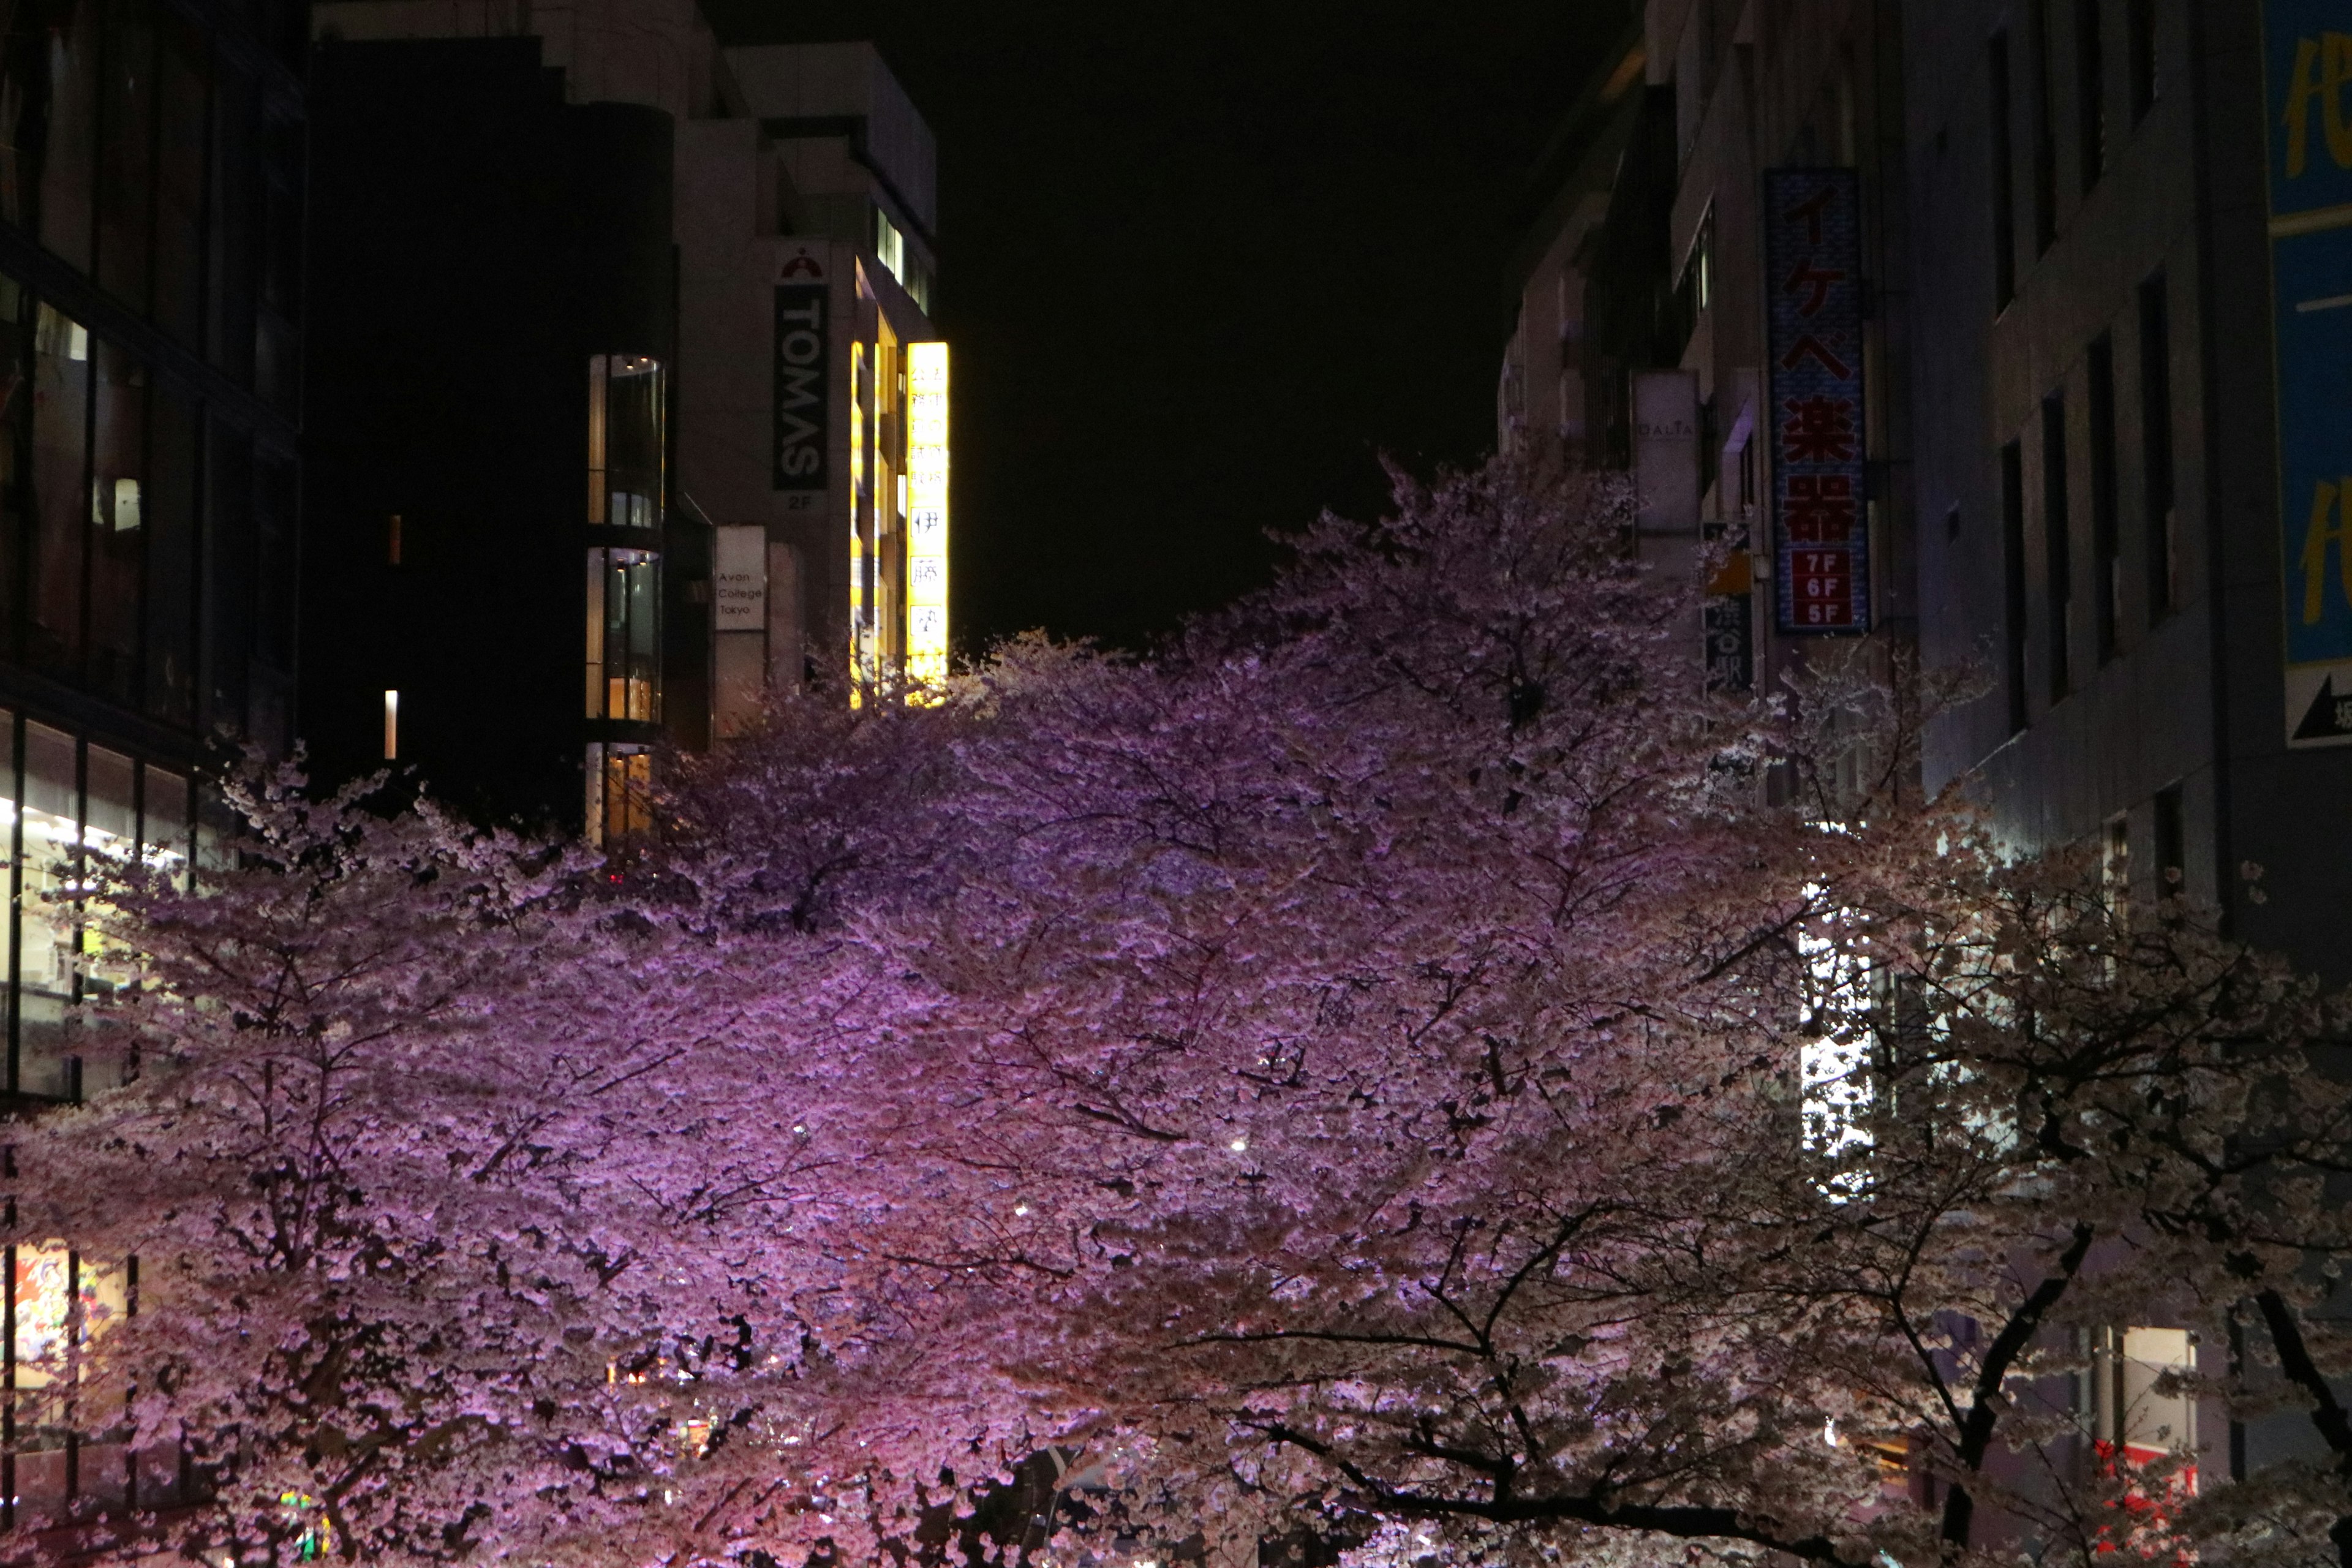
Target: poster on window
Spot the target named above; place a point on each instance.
(1821, 525)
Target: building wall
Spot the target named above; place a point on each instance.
(793, 193)
(2165, 737)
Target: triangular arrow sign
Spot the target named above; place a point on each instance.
(2328, 717)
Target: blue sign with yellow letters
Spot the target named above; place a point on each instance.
(2307, 69)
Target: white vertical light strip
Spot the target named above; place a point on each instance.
(926, 513)
(391, 726)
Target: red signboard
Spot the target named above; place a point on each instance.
(1812, 257)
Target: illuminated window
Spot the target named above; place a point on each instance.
(890, 245)
(46, 934)
(2128, 1397)
(623, 635)
(619, 781)
(64, 1303)
(624, 441)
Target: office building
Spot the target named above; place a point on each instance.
(151, 269)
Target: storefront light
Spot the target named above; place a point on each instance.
(927, 512)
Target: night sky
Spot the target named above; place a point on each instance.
(1201, 263)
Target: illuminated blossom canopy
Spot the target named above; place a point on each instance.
(1402, 1070)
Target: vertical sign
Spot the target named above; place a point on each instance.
(927, 512)
(1821, 529)
(2308, 69)
(1727, 616)
(803, 358)
(740, 579)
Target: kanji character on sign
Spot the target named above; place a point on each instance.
(1810, 345)
(1821, 508)
(1820, 430)
(1819, 279)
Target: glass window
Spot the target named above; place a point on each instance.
(61, 388)
(15, 401)
(227, 630)
(70, 136)
(51, 824)
(281, 265)
(619, 793)
(273, 613)
(624, 441)
(126, 208)
(623, 632)
(118, 512)
(890, 245)
(185, 84)
(234, 272)
(217, 830)
(170, 526)
(163, 823)
(109, 838)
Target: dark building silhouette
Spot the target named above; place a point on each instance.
(493, 323)
(579, 273)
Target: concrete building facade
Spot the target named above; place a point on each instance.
(2102, 339)
(807, 227)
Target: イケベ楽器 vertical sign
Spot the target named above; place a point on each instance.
(1821, 527)
(803, 371)
(2307, 72)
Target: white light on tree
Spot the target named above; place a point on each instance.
(927, 515)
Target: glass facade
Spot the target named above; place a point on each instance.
(627, 480)
(150, 176)
(626, 446)
(623, 635)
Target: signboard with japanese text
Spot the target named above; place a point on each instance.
(2308, 69)
(926, 513)
(1821, 525)
(804, 359)
(1727, 616)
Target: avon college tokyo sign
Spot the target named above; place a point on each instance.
(2308, 78)
(1821, 525)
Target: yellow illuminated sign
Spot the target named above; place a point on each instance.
(927, 512)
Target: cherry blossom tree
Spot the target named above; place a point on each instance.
(1403, 1066)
